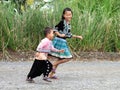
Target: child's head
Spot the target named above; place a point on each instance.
(48, 32)
(67, 14)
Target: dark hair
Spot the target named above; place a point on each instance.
(47, 30)
(66, 9)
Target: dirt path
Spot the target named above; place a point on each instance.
(74, 75)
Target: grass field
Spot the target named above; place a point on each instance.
(98, 21)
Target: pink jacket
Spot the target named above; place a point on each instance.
(44, 47)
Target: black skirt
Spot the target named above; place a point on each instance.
(40, 67)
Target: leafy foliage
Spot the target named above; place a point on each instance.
(98, 21)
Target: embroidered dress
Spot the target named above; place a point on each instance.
(60, 42)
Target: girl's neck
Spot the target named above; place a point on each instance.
(68, 22)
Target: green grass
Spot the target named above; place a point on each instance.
(98, 21)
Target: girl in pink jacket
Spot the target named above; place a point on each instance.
(41, 65)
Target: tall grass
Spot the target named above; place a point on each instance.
(98, 21)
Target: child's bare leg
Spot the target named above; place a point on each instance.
(55, 65)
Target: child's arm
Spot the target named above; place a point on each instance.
(60, 35)
(56, 50)
(75, 36)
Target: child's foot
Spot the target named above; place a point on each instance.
(30, 80)
(51, 74)
(46, 79)
(53, 77)
(53, 71)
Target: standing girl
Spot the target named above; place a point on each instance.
(62, 33)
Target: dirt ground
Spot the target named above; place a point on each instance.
(74, 75)
(86, 71)
(81, 56)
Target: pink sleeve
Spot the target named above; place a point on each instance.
(54, 49)
(42, 45)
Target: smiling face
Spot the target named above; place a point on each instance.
(68, 16)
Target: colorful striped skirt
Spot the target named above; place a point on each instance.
(60, 43)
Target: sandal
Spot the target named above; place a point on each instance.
(46, 79)
(53, 77)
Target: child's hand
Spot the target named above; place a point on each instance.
(62, 35)
(61, 50)
(80, 37)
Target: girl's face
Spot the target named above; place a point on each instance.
(68, 15)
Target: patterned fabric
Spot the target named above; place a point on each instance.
(60, 43)
(64, 28)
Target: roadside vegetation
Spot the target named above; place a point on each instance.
(98, 21)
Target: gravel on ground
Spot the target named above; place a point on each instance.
(73, 75)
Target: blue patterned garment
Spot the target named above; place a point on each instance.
(60, 43)
(63, 28)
